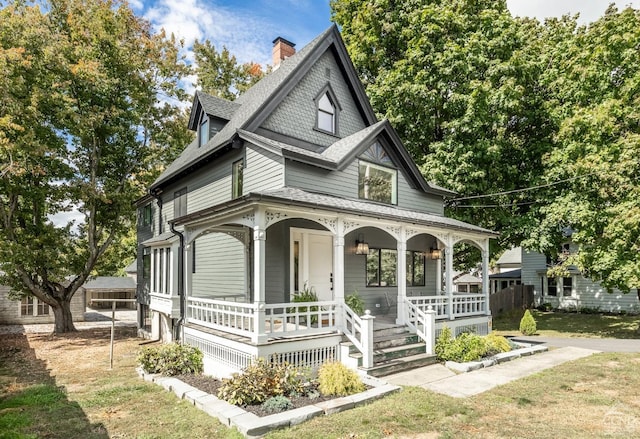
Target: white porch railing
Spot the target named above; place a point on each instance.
(281, 319)
(234, 317)
(463, 305)
(300, 318)
(423, 323)
(359, 331)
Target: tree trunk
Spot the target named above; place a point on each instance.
(63, 317)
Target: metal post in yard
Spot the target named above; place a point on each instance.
(113, 330)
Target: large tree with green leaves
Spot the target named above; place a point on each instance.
(594, 73)
(220, 74)
(459, 81)
(81, 118)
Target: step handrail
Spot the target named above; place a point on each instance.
(359, 331)
(423, 323)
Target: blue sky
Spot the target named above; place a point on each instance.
(248, 27)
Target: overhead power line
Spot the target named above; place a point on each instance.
(530, 188)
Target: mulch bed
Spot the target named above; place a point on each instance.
(211, 385)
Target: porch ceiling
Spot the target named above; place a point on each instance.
(299, 198)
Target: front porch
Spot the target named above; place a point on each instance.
(242, 270)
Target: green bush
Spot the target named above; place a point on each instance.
(171, 359)
(335, 378)
(443, 343)
(528, 324)
(496, 344)
(261, 381)
(277, 404)
(355, 302)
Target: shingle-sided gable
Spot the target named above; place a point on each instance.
(296, 116)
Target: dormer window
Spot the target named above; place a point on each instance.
(327, 111)
(203, 131)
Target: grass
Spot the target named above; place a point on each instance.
(61, 387)
(562, 324)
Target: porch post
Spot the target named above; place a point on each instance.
(402, 278)
(485, 276)
(188, 274)
(259, 294)
(448, 270)
(338, 270)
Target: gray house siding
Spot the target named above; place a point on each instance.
(10, 310)
(585, 292)
(220, 267)
(296, 114)
(345, 184)
(355, 269)
(263, 170)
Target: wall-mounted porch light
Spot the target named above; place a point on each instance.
(362, 248)
(435, 253)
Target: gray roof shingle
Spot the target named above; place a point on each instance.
(110, 283)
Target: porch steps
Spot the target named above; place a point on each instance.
(395, 350)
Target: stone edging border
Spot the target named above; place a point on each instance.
(528, 349)
(253, 426)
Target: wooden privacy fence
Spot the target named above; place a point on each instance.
(514, 297)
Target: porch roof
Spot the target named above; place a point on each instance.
(165, 237)
(298, 197)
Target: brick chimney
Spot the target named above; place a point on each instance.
(282, 49)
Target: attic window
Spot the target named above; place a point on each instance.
(203, 131)
(327, 110)
(377, 183)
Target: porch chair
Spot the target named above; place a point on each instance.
(392, 301)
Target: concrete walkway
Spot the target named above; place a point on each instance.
(442, 380)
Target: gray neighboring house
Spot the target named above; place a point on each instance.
(572, 292)
(295, 187)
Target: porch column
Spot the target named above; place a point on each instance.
(188, 275)
(338, 270)
(448, 271)
(259, 292)
(485, 276)
(402, 278)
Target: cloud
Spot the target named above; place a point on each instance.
(246, 36)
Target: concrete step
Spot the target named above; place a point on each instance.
(396, 365)
(397, 339)
(395, 352)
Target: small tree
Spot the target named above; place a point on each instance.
(528, 324)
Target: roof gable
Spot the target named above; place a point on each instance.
(211, 105)
(255, 105)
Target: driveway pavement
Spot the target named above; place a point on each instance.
(93, 319)
(598, 344)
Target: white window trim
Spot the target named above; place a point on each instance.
(394, 180)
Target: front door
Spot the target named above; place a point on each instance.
(312, 262)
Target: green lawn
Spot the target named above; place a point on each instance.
(55, 387)
(560, 324)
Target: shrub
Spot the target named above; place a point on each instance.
(171, 359)
(443, 343)
(335, 378)
(261, 381)
(355, 302)
(528, 324)
(277, 404)
(496, 344)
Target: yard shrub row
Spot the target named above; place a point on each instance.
(468, 346)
